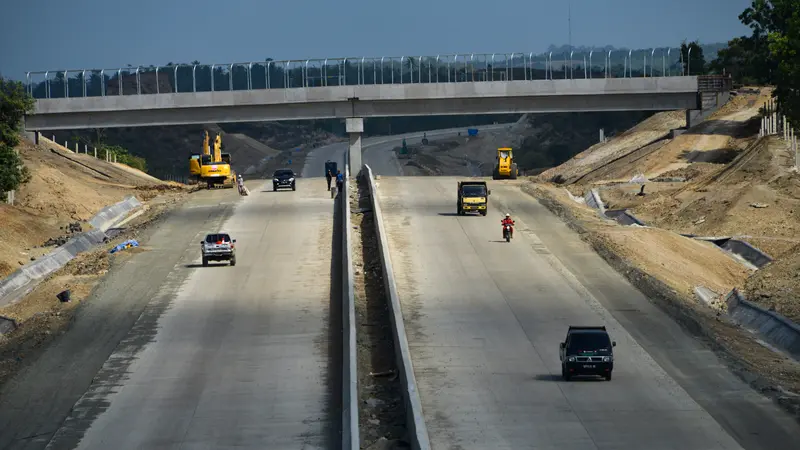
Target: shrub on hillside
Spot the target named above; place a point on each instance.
(123, 156)
(14, 104)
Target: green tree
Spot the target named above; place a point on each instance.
(14, 104)
(771, 54)
(693, 63)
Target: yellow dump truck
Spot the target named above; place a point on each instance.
(473, 196)
(505, 167)
(215, 166)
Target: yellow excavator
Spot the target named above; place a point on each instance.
(214, 166)
(506, 168)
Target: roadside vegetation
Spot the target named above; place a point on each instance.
(14, 104)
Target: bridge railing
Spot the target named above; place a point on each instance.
(714, 83)
(453, 68)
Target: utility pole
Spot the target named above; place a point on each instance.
(569, 23)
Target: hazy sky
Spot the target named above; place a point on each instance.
(77, 34)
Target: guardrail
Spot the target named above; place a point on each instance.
(350, 432)
(415, 422)
(269, 74)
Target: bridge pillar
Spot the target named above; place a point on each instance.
(354, 127)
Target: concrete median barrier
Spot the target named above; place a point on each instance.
(24, 280)
(417, 430)
(350, 432)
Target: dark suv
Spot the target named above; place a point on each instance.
(587, 351)
(283, 178)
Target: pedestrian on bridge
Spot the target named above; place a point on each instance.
(328, 177)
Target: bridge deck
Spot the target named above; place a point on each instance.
(498, 97)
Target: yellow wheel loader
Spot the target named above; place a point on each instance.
(505, 168)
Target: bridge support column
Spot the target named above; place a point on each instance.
(354, 127)
(693, 117)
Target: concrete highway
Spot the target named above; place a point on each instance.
(282, 243)
(241, 355)
(377, 151)
(484, 320)
(210, 357)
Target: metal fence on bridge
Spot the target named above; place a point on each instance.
(457, 68)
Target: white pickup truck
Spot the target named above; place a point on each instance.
(218, 247)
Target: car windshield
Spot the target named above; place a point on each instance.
(214, 238)
(474, 191)
(283, 173)
(589, 342)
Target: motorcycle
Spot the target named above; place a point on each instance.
(507, 233)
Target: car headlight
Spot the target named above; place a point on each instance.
(571, 359)
(291, 179)
(606, 359)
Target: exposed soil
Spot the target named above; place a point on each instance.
(777, 286)
(40, 316)
(602, 154)
(382, 418)
(717, 179)
(64, 188)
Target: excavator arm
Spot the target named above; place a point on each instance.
(217, 149)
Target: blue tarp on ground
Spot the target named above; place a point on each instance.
(127, 244)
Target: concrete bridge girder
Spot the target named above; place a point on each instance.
(540, 96)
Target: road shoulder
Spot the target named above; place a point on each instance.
(676, 331)
(36, 400)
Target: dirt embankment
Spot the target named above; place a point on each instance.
(41, 317)
(65, 188)
(600, 155)
(64, 191)
(717, 179)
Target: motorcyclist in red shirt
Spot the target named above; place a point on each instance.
(508, 221)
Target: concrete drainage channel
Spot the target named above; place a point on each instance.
(776, 330)
(742, 251)
(24, 280)
(389, 411)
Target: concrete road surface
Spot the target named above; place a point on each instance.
(485, 318)
(377, 151)
(242, 356)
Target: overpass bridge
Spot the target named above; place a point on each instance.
(355, 88)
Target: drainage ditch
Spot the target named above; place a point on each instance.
(381, 411)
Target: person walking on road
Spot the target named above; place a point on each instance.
(328, 177)
(339, 180)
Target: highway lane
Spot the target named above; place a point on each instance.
(243, 356)
(377, 151)
(36, 401)
(484, 319)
